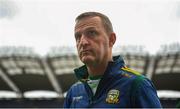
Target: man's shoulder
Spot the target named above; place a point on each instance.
(76, 87)
(131, 77)
(135, 78)
(129, 73)
(77, 84)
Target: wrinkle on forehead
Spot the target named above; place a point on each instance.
(88, 22)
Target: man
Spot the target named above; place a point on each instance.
(105, 81)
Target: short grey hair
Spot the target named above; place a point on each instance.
(105, 20)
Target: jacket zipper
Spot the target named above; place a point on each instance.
(90, 94)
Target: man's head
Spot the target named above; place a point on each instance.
(104, 20)
(94, 38)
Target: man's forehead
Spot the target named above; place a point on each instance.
(88, 22)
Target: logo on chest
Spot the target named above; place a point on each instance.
(113, 96)
(76, 99)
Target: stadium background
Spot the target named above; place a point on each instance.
(29, 80)
(40, 76)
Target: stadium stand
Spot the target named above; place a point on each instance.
(166, 77)
(28, 80)
(166, 74)
(28, 74)
(62, 67)
(167, 71)
(25, 71)
(62, 61)
(4, 80)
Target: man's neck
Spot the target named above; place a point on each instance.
(98, 69)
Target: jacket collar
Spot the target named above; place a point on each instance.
(82, 72)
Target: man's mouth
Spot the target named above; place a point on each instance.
(85, 52)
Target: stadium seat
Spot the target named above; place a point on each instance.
(166, 78)
(26, 72)
(63, 66)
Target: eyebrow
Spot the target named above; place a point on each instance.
(89, 28)
(86, 29)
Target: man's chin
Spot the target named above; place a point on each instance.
(87, 60)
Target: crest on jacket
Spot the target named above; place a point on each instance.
(113, 96)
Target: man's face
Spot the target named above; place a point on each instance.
(92, 41)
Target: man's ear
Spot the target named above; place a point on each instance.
(112, 39)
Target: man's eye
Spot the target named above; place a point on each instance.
(91, 33)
